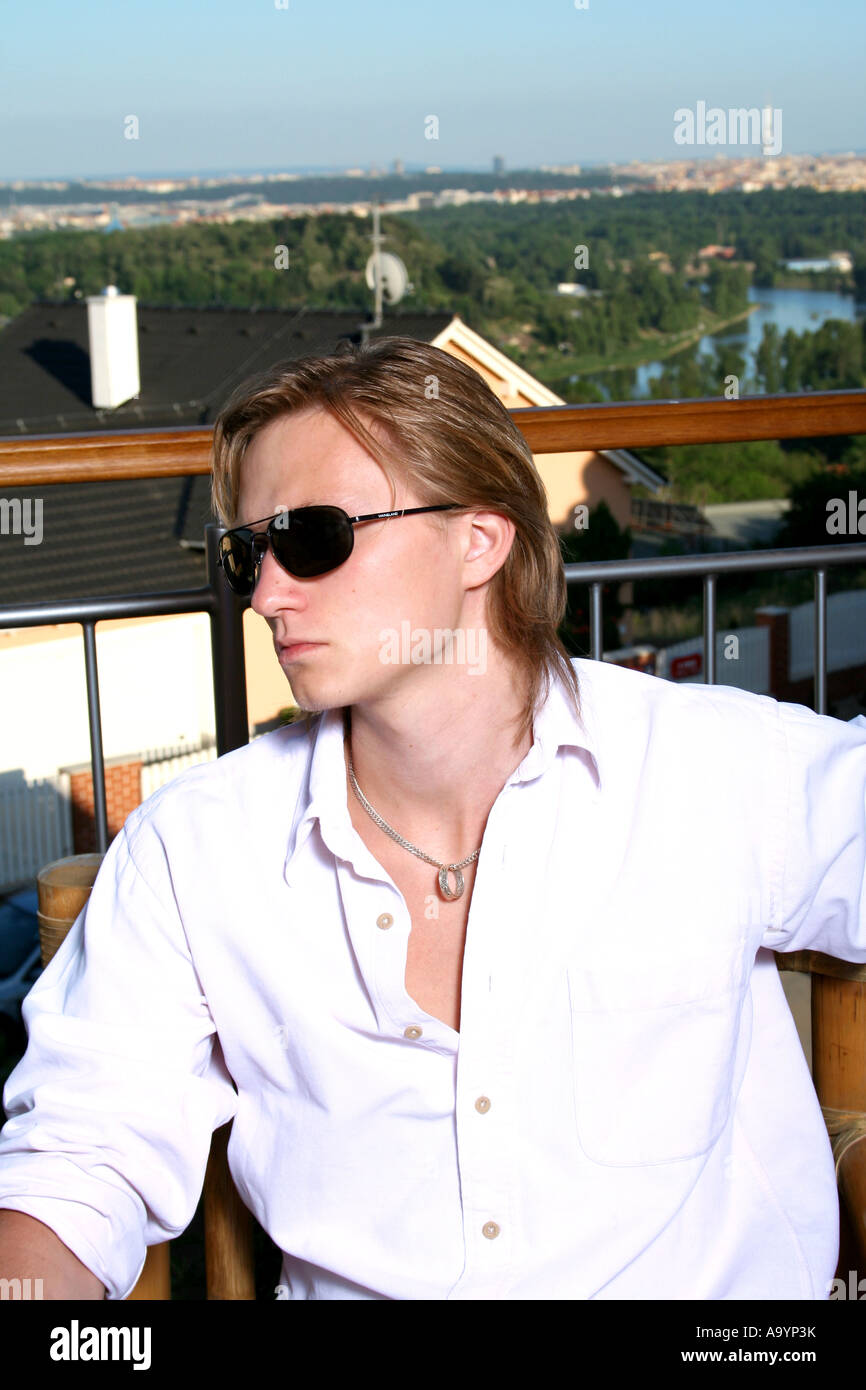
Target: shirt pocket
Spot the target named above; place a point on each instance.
(653, 1057)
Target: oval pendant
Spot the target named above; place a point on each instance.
(444, 887)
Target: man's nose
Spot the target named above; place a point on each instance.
(274, 588)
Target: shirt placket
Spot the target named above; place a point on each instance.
(483, 1099)
(522, 826)
(379, 924)
(483, 1122)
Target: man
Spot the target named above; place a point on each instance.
(479, 959)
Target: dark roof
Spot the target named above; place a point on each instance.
(190, 360)
(108, 538)
(134, 537)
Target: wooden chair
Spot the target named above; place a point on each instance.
(64, 888)
(838, 1073)
(839, 1077)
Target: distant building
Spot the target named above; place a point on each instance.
(837, 260)
(498, 164)
(721, 253)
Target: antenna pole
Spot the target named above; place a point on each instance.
(377, 240)
(377, 274)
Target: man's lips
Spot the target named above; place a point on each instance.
(291, 650)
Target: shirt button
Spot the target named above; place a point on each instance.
(482, 1105)
(385, 920)
(413, 1031)
(490, 1230)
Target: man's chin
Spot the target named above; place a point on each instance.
(313, 690)
(323, 683)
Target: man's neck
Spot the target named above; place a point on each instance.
(434, 769)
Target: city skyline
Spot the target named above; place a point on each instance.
(225, 87)
(384, 168)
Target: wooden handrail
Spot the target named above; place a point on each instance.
(644, 424)
(172, 453)
(91, 458)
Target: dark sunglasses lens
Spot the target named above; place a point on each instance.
(236, 553)
(312, 540)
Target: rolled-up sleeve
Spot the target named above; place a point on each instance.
(112, 1107)
(821, 851)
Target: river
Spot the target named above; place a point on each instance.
(801, 310)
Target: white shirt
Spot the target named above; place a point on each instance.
(626, 1112)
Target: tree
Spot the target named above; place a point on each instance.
(727, 289)
(461, 276)
(601, 539)
(768, 360)
(813, 503)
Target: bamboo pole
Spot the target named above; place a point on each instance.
(154, 1281)
(229, 1261)
(839, 1076)
(839, 1071)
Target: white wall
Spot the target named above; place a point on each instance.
(749, 670)
(846, 634)
(154, 686)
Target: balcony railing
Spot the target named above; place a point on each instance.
(130, 454)
(818, 558)
(173, 453)
(227, 650)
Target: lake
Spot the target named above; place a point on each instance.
(801, 310)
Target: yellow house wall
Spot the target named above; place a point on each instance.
(568, 478)
(268, 691)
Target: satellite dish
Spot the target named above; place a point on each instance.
(391, 273)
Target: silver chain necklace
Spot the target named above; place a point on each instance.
(444, 869)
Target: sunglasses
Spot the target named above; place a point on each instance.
(305, 542)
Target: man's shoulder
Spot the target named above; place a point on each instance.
(616, 697)
(640, 689)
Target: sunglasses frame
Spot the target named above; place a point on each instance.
(281, 521)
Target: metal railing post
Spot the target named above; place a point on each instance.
(97, 761)
(227, 650)
(820, 641)
(709, 629)
(596, 623)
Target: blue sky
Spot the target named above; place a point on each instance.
(243, 84)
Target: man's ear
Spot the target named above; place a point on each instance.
(491, 538)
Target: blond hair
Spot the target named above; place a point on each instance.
(450, 439)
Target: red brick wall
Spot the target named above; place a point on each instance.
(777, 620)
(122, 795)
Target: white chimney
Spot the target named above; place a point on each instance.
(113, 335)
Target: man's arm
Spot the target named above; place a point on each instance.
(111, 1110)
(820, 864)
(30, 1250)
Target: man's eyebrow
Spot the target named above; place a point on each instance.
(315, 501)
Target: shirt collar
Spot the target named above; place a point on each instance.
(325, 797)
(556, 725)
